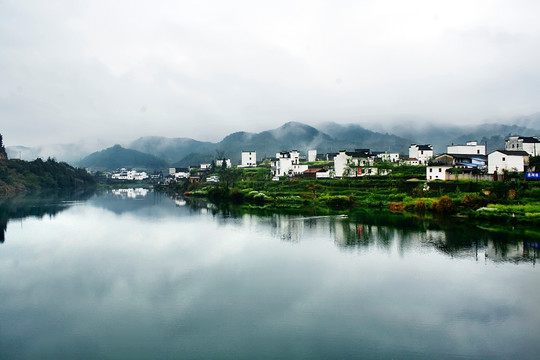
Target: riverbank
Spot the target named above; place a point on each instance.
(20, 177)
(507, 203)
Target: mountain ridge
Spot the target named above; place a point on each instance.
(325, 137)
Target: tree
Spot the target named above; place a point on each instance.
(534, 163)
(229, 177)
(3, 154)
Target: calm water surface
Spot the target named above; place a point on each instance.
(136, 275)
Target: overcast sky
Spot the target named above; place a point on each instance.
(202, 69)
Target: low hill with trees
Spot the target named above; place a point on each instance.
(19, 176)
(118, 157)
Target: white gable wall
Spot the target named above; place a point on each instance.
(498, 161)
(467, 149)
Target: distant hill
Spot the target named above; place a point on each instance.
(351, 136)
(440, 136)
(117, 157)
(290, 136)
(327, 137)
(70, 153)
(170, 149)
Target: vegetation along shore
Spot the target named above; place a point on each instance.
(403, 191)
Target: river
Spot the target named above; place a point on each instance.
(133, 274)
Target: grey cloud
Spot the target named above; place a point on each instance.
(73, 70)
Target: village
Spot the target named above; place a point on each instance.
(460, 162)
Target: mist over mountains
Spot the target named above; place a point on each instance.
(326, 137)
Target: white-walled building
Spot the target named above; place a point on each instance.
(354, 163)
(470, 148)
(249, 159)
(530, 144)
(287, 163)
(421, 152)
(437, 172)
(512, 161)
(391, 157)
(133, 175)
(180, 173)
(219, 163)
(312, 155)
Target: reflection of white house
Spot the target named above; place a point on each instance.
(123, 174)
(249, 159)
(354, 163)
(530, 144)
(287, 163)
(421, 152)
(513, 161)
(130, 193)
(471, 147)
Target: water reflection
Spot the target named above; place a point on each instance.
(131, 193)
(459, 242)
(386, 232)
(151, 277)
(38, 206)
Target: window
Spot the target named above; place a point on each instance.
(440, 170)
(503, 159)
(430, 170)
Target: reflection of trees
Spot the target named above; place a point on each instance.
(456, 239)
(390, 231)
(37, 205)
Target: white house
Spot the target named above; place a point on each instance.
(123, 174)
(530, 144)
(249, 159)
(219, 163)
(421, 152)
(354, 163)
(312, 155)
(513, 161)
(287, 163)
(391, 157)
(470, 148)
(413, 161)
(205, 166)
(179, 173)
(438, 172)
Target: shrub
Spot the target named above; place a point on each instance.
(474, 201)
(396, 207)
(444, 205)
(420, 206)
(338, 202)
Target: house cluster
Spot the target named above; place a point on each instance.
(291, 163)
(132, 175)
(470, 161)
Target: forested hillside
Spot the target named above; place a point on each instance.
(19, 176)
